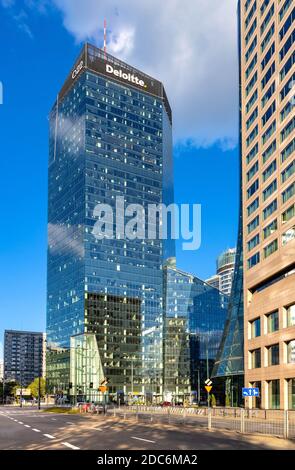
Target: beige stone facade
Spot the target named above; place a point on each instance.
(268, 169)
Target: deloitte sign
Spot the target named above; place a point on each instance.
(129, 77)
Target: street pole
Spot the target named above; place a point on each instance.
(132, 385)
(199, 387)
(3, 389)
(21, 390)
(39, 393)
(207, 366)
(39, 385)
(207, 360)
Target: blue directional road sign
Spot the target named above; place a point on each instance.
(250, 392)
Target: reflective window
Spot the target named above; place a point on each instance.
(290, 313)
(274, 394)
(255, 358)
(288, 236)
(272, 321)
(291, 352)
(255, 328)
(273, 354)
(271, 248)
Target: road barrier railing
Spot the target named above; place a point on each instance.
(270, 422)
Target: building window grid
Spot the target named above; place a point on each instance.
(274, 397)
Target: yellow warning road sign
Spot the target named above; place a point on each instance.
(208, 388)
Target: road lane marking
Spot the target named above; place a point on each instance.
(53, 419)
(27, 426)
(71, 446)
(69, 422)
(49, 436)
(36, 430)
(141, 439)
(20, 422)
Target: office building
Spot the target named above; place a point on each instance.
(228, 370)
(1, 370)
(194, 320)
(225, 265)
(110, 137)
(214, 281)
(24, 356)
(225, 269)
(268, 183)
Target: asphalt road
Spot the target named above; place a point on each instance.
(30, 429)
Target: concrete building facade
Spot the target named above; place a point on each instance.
(24, 356)
(267, 77)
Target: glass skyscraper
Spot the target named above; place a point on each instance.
(194, 320)
(110, 137)
(229, 365)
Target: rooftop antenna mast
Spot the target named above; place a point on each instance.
(105, 38)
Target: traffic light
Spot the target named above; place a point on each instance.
(91, 385)
(71, 385)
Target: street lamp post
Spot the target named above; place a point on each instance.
(21, 389)
(132, 382)
(199, 387)
(39, 387)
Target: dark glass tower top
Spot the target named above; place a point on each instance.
(96, 60)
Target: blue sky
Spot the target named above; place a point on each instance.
(39, 47)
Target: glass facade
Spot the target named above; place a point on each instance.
(230, 358)
(108, 138)
(195, 314)
(229, 365)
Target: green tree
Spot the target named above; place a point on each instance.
(10, 388)
(212, 400)
(34, 387)
(227, 400)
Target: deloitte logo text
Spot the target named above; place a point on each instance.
(126, 76)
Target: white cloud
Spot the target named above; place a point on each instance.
(21, 20)
(189, 45)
